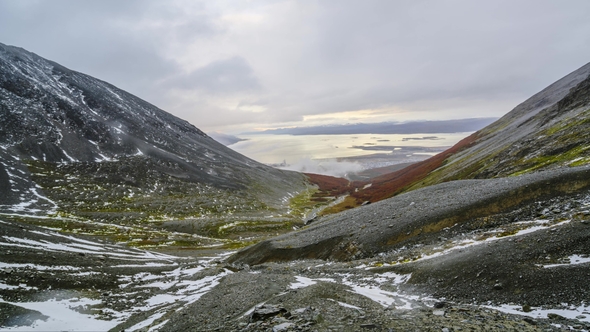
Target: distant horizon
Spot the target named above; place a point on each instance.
(340, 154)
(319, 149)
(385, 127)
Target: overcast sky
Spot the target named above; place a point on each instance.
(235, 66)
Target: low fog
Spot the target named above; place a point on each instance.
(330, 167)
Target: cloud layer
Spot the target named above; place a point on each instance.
(238, 65)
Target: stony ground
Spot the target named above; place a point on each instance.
(117, 289)
(340, 298)
(523, 268)
(419, 217)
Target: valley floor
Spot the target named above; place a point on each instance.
(50, 282)
(520, 267)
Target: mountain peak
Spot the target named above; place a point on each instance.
(116, 150)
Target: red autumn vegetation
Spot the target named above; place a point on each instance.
(387, 185)
(329, 185)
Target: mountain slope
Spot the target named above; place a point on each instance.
(80, 155)
(501, 220)
(76, 146)
(550, 132)
(417, 217)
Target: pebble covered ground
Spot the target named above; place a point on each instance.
(115, 288)
(525, 268)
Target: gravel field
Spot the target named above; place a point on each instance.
(524, 266)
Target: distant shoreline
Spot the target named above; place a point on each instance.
(383, 128)
(425, 138)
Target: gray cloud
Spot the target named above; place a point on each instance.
(117, 41)
(226, 64)
(222, 76)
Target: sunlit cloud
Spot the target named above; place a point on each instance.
(353, 116)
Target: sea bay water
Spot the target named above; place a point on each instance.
(291, 149)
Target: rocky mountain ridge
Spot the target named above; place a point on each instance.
(77, 147)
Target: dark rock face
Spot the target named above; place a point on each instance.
(51, 115)
(13, 316)
(267, 311)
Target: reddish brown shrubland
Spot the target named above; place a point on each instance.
(384, 186)
(329, 185)
(388, 185)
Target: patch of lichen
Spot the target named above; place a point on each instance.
(302, 203)
(237, 245)
(468, 166)
(580, 162)
(129, 202)
(249, 228)
(564, 143)
(467, 172)
(347, 204)
(139, 237)
(507, 233)
(571, 134)
(582, 119)
(83, 189)
(543, 161)
(494, 128)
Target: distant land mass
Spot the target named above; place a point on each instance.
(225, 139)
(414, 127)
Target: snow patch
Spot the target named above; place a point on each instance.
(302, 282)
(581, 312)
(346, 305)
(83, 246)
(69, 157)
(63, 315)
(383, 297)
(573, 260)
